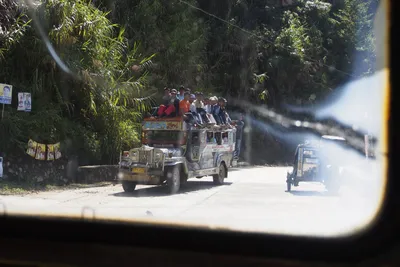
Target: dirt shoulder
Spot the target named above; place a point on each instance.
(21, 188)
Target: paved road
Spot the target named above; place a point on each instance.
(253, 199)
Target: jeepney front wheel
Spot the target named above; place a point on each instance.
(173, 179)
(219, 178)
(128, 186)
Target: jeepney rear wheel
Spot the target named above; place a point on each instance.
(220, 177)
(173, 179)
(288, 182)
(128, 186)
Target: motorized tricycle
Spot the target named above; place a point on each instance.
(318, 162)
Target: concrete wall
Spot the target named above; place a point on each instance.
(59, 172)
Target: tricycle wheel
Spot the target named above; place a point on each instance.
(128, 186)
(173, 180)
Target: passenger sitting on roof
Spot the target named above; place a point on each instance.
(167, 96)
(224, 116)
(184, 105)
(193, 109)
(200, 107)
(181, 94)
(207, 105)
(172, 106)
(215, 109)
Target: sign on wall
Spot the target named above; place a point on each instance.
(5, 94)
(24, 102)
(38, 151)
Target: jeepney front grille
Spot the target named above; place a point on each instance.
(145, 157)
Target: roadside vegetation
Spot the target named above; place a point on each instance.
(111, 59)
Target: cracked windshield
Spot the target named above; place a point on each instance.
(260, 116)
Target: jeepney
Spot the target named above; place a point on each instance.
(318, 162)
(173, 151)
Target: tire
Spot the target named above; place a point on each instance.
(289, 186)
(288, 183)
(128, 186)
(219, 178)
(173, 178)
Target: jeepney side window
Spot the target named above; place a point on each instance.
(211, 138)
(218, 138)
(225, 138)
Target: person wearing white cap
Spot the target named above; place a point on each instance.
(194, 110)
(215, 109)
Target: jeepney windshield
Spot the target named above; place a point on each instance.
(171, 137)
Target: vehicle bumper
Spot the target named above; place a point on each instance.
(150, 177)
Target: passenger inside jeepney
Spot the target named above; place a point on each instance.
(225, 138)
(210, 138)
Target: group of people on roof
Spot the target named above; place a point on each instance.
(202, 110)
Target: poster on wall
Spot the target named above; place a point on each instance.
(24, 102)
(31, 151)
(5, 94)
(57, 152)
(41, 152)
(50, 152)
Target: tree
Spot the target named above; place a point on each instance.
(94, 105)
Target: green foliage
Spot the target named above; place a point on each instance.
(174, 32)
(120, 52)
(94, 110)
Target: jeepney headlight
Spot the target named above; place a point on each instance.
(134, 156)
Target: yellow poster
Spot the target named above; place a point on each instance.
(31, 151)
(5, 93)
(57, 152)
(50, 152)
(41, 152)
